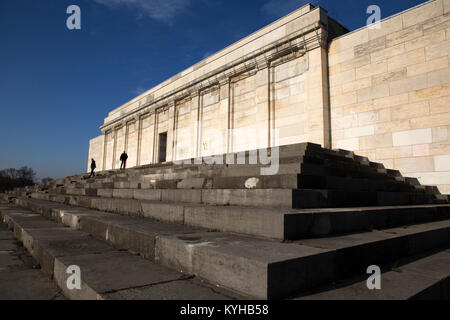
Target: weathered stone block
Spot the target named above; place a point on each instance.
(412, 137)
(416, 164)
(442, 163)
(387, 26)
(406, 59)
(426, 40)
(370, 46)
(389, 76)
(440, 105)
(404, 35)
(423, 13)
(376, 141)
(409, 84)
(408, 111)
(371, 70)
(428, 66)
(421, 150)
(439, 78)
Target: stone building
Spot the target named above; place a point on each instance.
(381, 92)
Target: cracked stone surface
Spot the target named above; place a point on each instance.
(20, 275)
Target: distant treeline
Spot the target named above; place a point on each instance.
(16, 178)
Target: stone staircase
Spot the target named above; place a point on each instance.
(322, 219)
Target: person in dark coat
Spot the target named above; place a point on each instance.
(123, 159)
(93, 167)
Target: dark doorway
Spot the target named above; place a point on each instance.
(162, 147)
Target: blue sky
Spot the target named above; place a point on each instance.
(57, 85)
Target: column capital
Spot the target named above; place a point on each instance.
(118, 126)
(194, 93)
(263, 64)
(224, 80)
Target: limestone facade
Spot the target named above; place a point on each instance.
(383, 93)
(390, 93)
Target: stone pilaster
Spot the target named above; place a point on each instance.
(105, 135)
(139, 140)
(224, 95)
(197, 109)
(155, 138)
(171, 134)
(127, 131)
(265, 112)
(114, 149)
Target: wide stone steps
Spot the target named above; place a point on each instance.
(255, 267)
(274, 223)
(195, 189)
(271, 198)
(106, 272)
(288, 154)
(280, 181)
(294, 165)
(423, 277)
(309, 177)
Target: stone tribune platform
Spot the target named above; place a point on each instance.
(319, 223)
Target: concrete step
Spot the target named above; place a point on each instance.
(281, 181)
(315, 198)
(286, 165)
(56, 248)
(256, 267)
(424, 277)
(339, 162)
(267, 198)
(353, 184)
(319, 168)
(276, 223)
(333, 169)
(20, 279)
(312, 177)
(287, 154)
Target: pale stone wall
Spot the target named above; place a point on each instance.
(96, 152)
(289, 100)
(131, 144)
(390, 93)
(109, 151)
(268, 89)
(383, 93)
(147, 140)
(120, 147)
(212, 122)
(185, 129)
(248, 116)
(295, 21)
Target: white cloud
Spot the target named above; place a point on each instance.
(207, 55)
(279, 8)
(161, 10)
(139, 90)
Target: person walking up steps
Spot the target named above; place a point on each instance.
(123, 159)
(93, 166)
